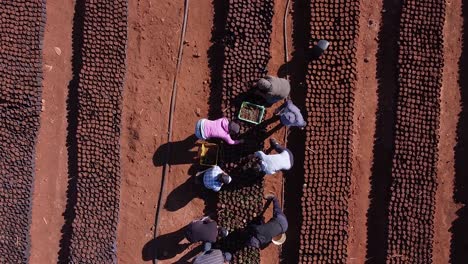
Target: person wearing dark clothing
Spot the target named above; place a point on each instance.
(261, 235)
(214, 256)
(206, 230)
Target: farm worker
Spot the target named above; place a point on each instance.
(290, 115)
(273, 89)
(219, 128)
(206, 230)
(270, 164)
(261, 235)
(214, 256)
(214, 178)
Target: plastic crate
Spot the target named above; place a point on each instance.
(208, 154)
(259, 117)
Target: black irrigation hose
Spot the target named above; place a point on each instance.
(171, 117)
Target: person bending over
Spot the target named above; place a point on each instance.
(290, 115)
(214, 178)
(272, 89)
(270, 164)
(261, 235)
(220, 128)
(205, 230)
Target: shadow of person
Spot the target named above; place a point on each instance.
(181, 152)
(165, 246)
(299, 61)
(250, 96)
(186, 259)
(239, 236)
(260, 132)
(184, 193)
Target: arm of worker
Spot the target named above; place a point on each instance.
(216, 188)
(260, 154)
(276, 208)
(301, 123)
(280, 109)
(259, 93)
(207, 219)
(227, 138)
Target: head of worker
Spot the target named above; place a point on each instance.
(224, 178)
(255, 164)
(264, 85)
(227, 256)
(222, 232)
(234, 128)
(291, 117)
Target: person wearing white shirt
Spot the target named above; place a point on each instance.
(270, 164)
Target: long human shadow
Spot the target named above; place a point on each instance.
(192, 188)
(216, 58)
(183, 194)
(72, 144)
(387, 56)
(294, 178)
(180, 152)
(168, 246)
(459, 229)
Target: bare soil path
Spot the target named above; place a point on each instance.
(51, 153)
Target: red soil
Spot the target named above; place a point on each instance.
(364, 129)
(450, 109)
(51, 152)
(154, 32)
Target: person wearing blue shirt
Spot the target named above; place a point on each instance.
(214, 178)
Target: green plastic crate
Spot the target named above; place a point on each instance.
(260, 117)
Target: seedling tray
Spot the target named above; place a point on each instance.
(208, 154)
(251, 113)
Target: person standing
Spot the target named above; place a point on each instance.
(220, 128)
